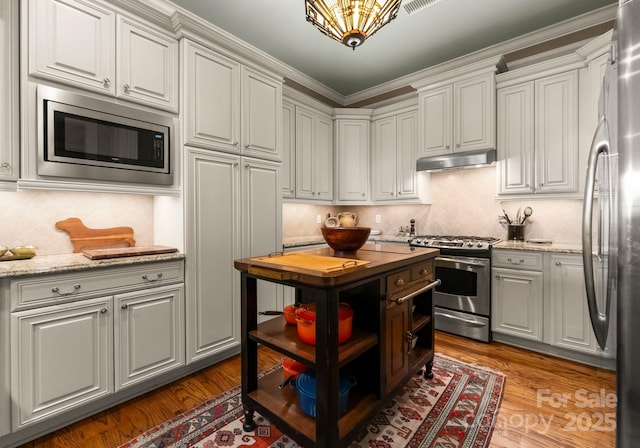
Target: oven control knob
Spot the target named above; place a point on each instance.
(479, 244)
(470, 244)
(418, 241)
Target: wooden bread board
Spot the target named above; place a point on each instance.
(318, 263)
(116, 252)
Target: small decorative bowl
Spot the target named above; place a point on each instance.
(24, 251)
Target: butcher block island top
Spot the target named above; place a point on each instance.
(312, 268)
(389, 290)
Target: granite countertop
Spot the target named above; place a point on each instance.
(539, 247)
(54, 264)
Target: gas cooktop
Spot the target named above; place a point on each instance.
(478, 243)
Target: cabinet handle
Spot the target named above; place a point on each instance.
(447, 147)
(158, 277)
(513, 262)
(497, 277)
(247, 146)
(399, 281)
(417, 292)
(56, 290)
(127, 88)
(103, 310)
(106, 82)
(234, 143)
(5, 165)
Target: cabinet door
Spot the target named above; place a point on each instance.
(396, 344)
(323, 158)
(147, 65)
(72, 42)
(406, 155)
(262, 222)
(261, 115)
(9, 91)
(515, 138)
(212, 234)
(556, 135)
(571, 323)
(352, 151)
(474, 113)
(149, 333)
(288, 171)
(383, 159)
(62, 358)
(517, 303)
(212, 103)
(305, 153)
(435, 120)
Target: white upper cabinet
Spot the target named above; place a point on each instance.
(147, 65)
(459, 115)
(393, 157)
(538, 135)
(90, 46)
(288, 171)
(9, 126)
(352, 155)
(230, 107)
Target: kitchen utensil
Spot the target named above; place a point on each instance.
(347, 219)
(528, 211)
(305, 385)
(306, 322)
(270, 313)
(506, 217)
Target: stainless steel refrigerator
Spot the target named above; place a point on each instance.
(612, 259)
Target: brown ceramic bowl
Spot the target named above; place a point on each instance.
(346, 239)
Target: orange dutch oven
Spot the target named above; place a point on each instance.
(306, 322)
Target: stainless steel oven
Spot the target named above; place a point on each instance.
(463, 299)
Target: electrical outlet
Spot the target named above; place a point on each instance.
(378, 220)
(318, 219)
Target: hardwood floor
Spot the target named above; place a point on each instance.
(548, 402)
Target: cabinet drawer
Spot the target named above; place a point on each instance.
(517, 259)
(57, 288)
(422, 271)
(399, 281)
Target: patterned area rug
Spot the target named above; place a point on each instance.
(457, 408)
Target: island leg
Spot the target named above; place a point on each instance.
(428, 370)
(249, 424)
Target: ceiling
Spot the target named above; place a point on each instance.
(444, 30)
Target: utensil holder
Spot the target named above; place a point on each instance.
(515, 232)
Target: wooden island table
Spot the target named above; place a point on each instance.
(389, 289)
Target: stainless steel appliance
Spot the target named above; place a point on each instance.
(83, 137)
(463, 299)
(612, 269)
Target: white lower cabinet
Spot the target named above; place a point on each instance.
(517, 303)
(90, 343)
(539, 301)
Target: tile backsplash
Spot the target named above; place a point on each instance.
(463, 203)
(28, 217)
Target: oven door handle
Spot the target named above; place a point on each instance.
(417, 292)
(473, 323)
(466, 263)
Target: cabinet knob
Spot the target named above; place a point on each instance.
(106, 82)
(247, 146)
(541, 184)
(234, 143)
(424, 271)
(363, 194)
(447, 147)
(558, 263)
(457, 145)
(126, 88)
(124, 306)
(399, 192)
(103, 310)
(158, 277)
(497, 277)
(399, 281)
(75, 289)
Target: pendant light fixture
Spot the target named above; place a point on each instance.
(351, 21)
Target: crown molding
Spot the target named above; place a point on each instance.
(296, 97)
(568, 26)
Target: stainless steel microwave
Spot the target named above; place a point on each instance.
(82, 137)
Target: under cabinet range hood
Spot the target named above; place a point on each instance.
(455, 160)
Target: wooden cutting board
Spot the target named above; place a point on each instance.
(116, 252)
(312, 262)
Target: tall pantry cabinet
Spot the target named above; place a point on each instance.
(233, 146)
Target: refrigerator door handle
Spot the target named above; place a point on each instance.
(599, 146)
